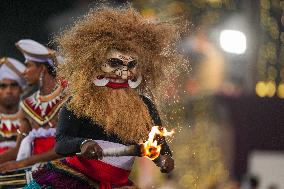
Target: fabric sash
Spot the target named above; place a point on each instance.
(27, 144)
(43, 144)
(5, 145)
(107, 175)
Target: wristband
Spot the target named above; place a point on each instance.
(84, 142)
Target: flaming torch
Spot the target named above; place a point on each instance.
(150, 149)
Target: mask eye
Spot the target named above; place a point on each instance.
(132, 64)
(114, 62)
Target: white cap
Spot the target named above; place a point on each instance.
(36, 52)
(13, 69)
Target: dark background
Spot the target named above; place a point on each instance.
(28, 20)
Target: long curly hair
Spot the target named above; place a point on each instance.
(85, 45)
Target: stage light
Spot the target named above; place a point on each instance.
(233, 41)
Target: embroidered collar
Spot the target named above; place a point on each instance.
(42, 109)
(9, 123)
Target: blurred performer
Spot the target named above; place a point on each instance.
(110, 56)
(11, 87)
(40, 110)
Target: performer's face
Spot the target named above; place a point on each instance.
(10, 92)
(32, 72)
(120, 70)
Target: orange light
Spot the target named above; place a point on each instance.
(151, 148)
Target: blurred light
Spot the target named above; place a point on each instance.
(273, 29)
(260, 89)
(233, 41)
(280, 90)
(263, 89)
(215, 3)
(270, 88)
(176, 8)
(148, 13)
(265, 4)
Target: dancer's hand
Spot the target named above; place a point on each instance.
(91, 150)
(167, 163)
(9, 166)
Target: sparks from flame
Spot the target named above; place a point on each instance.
(151, 147)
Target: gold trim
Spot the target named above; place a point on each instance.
(59, 92)
(9, 116)
(14, 175)
(51, 96)
(35, 117)
(28, 110)
(16, 182)
(8, 134)
(58, 164)
(2, 61)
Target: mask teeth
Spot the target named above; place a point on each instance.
(101, 82)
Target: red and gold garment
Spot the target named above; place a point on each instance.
(9, 124)
(42, 109)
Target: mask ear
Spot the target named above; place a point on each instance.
(134, 84)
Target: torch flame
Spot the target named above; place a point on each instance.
(151, 149)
